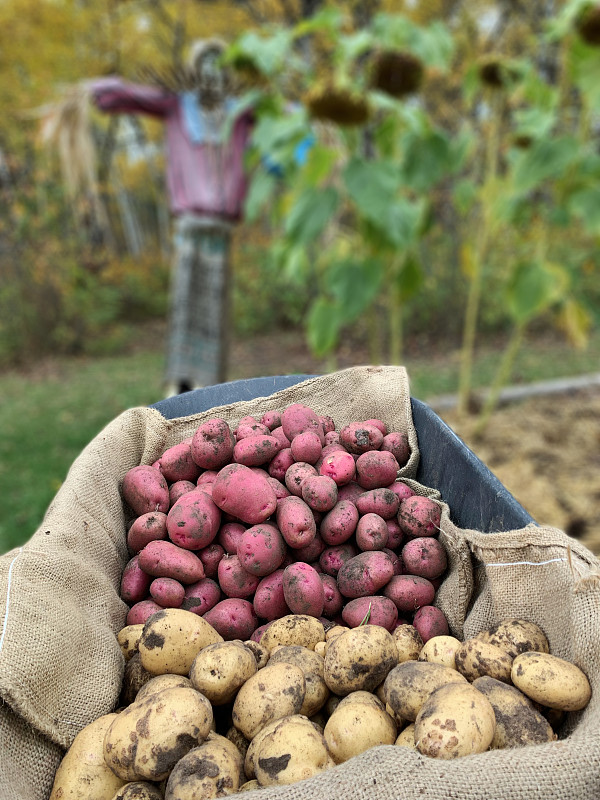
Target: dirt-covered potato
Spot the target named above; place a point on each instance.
(160, 682)
(294, 629)
(250, 786)
(440, 650)
(275, 691)
(293, 751)
(476, 658)
(518, 722)
(238, 739)
(129, 639)
(148, 738)
(312, 665)
(138, 790)
(408, 643)
(250, 759)
(220, 669)
(172, 638)
(214, 769)
(359, 659)
(455, 720)
(134, 678)
(406, 737)
(409, 684)
(356, 725)
(551, 681)
(83, 772)
(261, 653)
(516, 636)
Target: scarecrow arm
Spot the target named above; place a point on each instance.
(114, 95)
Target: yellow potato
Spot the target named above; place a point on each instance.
(518, 722)
(250, 759)
(551, 681)
(409, 685)
(250, 786)
(440, 650)
(261, 654)
(455, 720)
(356, 725)
(139, 790)
(475, 658)
(312, 665)
(171, 640)
(321, 648)
(275, 691)
(293, 751)
(146, 740)
(334, 632)
(406, 737)
(214, 769)
(359, 659)
(294, 629)
(160, 682)
(516, 636)
(129, 638)
(83, 772)
(408, 643)
(220, 669)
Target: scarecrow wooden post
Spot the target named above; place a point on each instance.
(207, 184)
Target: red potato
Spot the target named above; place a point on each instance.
(234, 580)
(298, 418)
(371, 532)
(255, 450)
(280, 463)
(340, 523)
(365, 574)
(303, 589)
(194, 520)
(199, 597)
(376, 469)
(256, 636)
(419, 516)
(135, 582)
(142, 611)
(378, 501)
(177, 489)
(339, 465)
(327, 423)
(332, 437)
(424, 556)
(333, 558)
(177, 464)
(146, 528)
(269, 601)
(261, 549)
(350, 491)
(210, 557)
(311, 551)
(333, 601)
(145, 489)
(409, 592)
(378, 423)
(319, 492)
(397, 443)
(163, 559)
(279, 488)
(244, 494)
(250, 429)
(358, 437)
(229, 535)
(167, 592)
(380, 610)
(295, 521)
(306, 447)
(395, 534)
(402, 490)
(212, 444)
(429, 622)
(208, 476)
(272, 419)
(278, 434)
(233, 618)
(296, 474)
(396, 560)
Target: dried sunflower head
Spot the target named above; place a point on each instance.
(494, 71)
(397, 73)
(588, 26)
(339, 104)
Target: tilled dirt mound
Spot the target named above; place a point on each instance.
(546, 452)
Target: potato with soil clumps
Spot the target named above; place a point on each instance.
(214, 769)
(275, 691)
(408, 686)
(172, 638)
(220, 669)
(359, 659)
(293, 751)
(356, 725)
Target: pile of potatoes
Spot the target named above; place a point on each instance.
(203, 717)
(283, 515)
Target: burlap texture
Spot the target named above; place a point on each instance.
(61, 668)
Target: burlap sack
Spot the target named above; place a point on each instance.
(60, 665)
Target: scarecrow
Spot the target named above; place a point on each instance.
(206, 181)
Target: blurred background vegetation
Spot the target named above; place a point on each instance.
(423, 176)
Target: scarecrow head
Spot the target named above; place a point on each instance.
(211, 79)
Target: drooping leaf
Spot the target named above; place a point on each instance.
(310, 214)
(547, 158)
(426, 160)
(319, 163)
(402, 222)
(372, 185)
(410, 278)
(323, 325)
(585, 204)
(535, 286)
(260, 192)
(354, 285)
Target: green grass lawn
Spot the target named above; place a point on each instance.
(50, 415)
